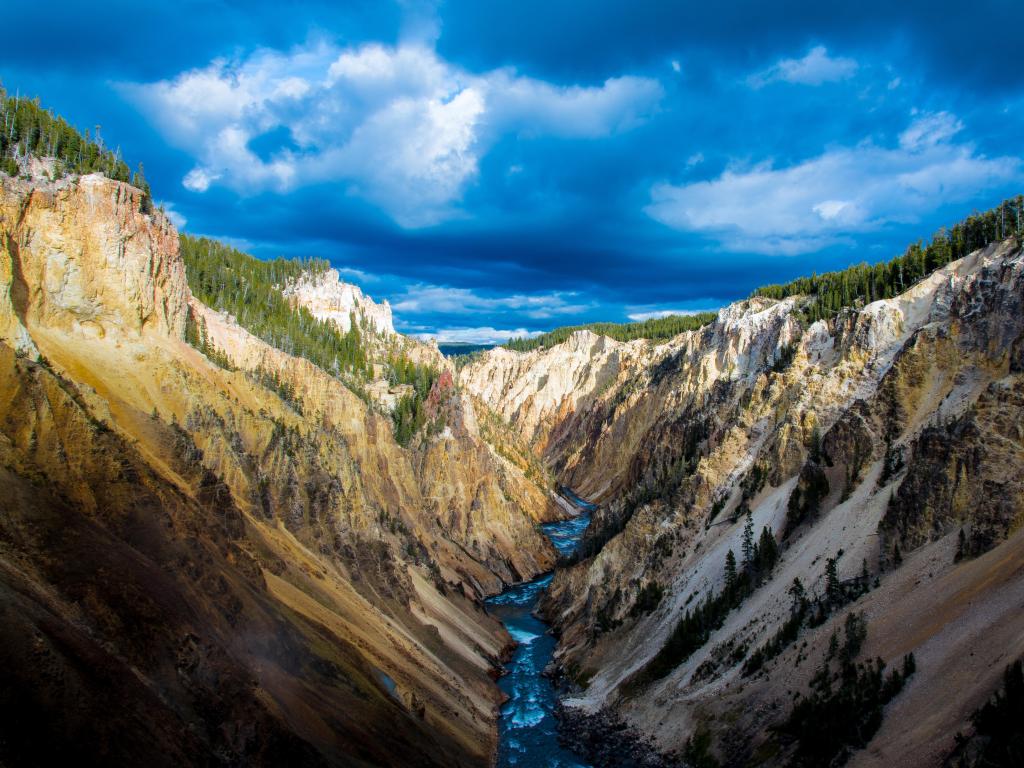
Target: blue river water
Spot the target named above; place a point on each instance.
(528, 728)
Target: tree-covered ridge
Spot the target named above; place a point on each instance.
(250, 289)
(656, 328)
(832, 291)
(29, 130)
(863, 283)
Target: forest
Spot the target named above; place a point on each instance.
(862, 284)
(30, 130)
(654, 329)
(248, 288)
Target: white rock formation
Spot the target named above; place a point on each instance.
(328, 297)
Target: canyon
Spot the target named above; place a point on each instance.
(230, 558)
(903, 418)
(224, 575)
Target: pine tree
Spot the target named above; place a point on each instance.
(833, 589)
(797, 593)
(767, 551)
(730, 574)
(815, 452)
(748, 540)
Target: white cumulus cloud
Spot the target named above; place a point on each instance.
(422, 298)
(804, 207)
(398, 126)
(174, 216)
(815, 68)
(480, 335)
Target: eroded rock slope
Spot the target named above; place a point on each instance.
(869, 441)
(197, 571)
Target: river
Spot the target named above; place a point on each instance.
(528, 728)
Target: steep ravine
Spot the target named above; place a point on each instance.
(872, 439)
(529, 725)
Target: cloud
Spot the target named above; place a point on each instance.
(397, 126)
(535, 107)
(930, 130)
(174, 216)
(815, 68)
(821, 201)
(199, 180)
(482, 335)
(422, 298)
(638, 317)
(360, 276)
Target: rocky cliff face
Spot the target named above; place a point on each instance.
(870, 440)
(328, 297)
(244, 577)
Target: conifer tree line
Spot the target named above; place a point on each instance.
(655, 328)
(760, 556)
(845, 706)
(810, 611)
(832, 291)
(250, 289)
(26, 129)
(196, 334)
(863, 283)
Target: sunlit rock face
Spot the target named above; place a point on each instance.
(899, 420)
(328, 297)
(211, 572)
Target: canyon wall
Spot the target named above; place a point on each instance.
(235, 561)
(869, 441)
(196, 569)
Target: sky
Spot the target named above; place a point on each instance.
(497, 169)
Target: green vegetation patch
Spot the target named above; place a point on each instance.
(693, 630)
(653, 329)
(862, 284)
(250, 289)
(26, 129)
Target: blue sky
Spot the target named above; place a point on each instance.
(497, 168)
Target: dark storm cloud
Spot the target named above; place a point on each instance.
(514, 167)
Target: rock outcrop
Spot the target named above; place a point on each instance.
(328, 297)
